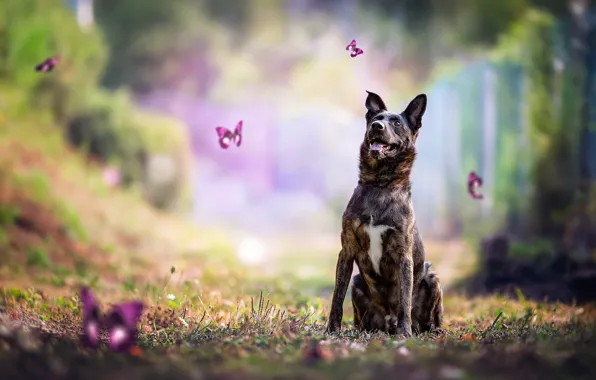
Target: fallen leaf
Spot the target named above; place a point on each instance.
(136, 351)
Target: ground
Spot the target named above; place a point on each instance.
(61, 228)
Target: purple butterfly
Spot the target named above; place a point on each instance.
(474, 181)
(91, 319)
(47, 65)
(353, 49)
(226, 137)
(121, 323)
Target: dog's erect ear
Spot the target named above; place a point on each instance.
(415, 111)
(374, 104)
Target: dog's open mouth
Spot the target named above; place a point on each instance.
(380, 146)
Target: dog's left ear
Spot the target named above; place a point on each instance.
(415, 111)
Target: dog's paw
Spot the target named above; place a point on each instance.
(405, 331)
(333, 328)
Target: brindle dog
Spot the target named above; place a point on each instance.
(395, 292)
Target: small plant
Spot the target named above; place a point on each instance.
(37, 257)
(37, 183)
(3, 238)
(72, 222)
(129, 286)
(8, 215)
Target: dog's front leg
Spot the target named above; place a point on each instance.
(406, 284)
(343, 273)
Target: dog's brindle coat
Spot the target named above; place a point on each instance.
(395, 291)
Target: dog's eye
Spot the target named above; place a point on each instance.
(397, 123)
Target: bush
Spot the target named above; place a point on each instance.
(33, 30)
(106, 125)
(111, 129)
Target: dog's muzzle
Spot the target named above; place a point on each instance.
(377, 135)
(377, 126)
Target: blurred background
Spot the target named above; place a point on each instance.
(142, 84)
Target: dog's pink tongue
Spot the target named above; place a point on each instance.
(376, 146)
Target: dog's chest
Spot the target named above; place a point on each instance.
(376, 233)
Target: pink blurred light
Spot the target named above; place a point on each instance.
(111, 176)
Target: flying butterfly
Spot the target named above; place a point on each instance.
(47, 65)
(121, 323)
(474, 181)
(227, 137)
(353, 49)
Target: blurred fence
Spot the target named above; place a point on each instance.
(477, 119)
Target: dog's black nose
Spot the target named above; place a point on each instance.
(377, 126)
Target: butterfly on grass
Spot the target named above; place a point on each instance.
(120, 323)
(227, 137)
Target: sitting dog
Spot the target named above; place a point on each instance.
(395, 292)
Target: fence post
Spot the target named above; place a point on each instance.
(489, 134)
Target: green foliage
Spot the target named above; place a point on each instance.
(37, 257)
(149, 40)
(552, 109)
(36, 183)
(4, 239)
(105, 124)
(554, 130)
(70, 217)
(34, 30)
(8, 214)
(103, 128)
(469, 88)
(111, 129)
(532, 249)
(129, 286)
(510, 146)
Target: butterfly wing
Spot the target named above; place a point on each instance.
(221, 131)
(238, 133)
(355, 52)
(351, 45)
(474, 181)
(91, 319)
(122, 325)
(42, 67)
(225, 137)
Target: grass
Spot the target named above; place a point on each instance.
(209, 317)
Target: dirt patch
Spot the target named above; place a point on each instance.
(555, 275)
(35, 239)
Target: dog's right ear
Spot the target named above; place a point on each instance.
(374, 105)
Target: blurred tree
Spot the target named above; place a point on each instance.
(150, 41)
(437, 28)
(231, 13)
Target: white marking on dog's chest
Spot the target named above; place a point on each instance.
(375, 248)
